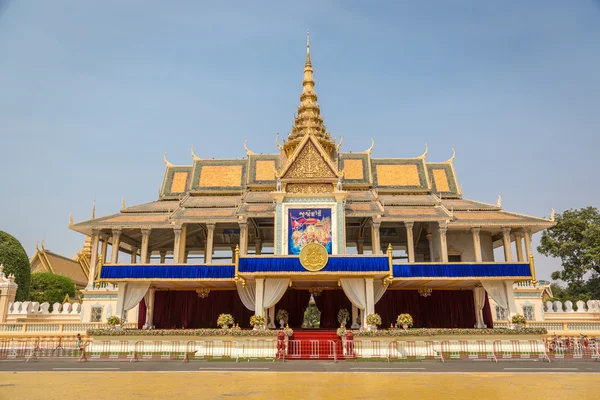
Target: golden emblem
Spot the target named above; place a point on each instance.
(314, 257)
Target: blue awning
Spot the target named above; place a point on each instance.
(167, 271)
(334, 264)
(436, 270)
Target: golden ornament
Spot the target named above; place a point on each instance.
(314, 257)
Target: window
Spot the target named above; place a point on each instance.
(528, 313)
(453, 257)
(96, 314)
(500, 313)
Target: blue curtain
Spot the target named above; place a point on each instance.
(460, 270)
(334, 264)
(167, 271)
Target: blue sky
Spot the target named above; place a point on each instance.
(93, 93)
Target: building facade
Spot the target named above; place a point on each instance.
(392, 234)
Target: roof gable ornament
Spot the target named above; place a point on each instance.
(123, 206)
(422, 156)
(167, 163)
(309, 160)
(248, 151)
(552, 215)
(370, 149)
(194, 154)
(93, 214)
(280, 147)
(337, 148)
(451, 159)
(499, 202)
(70, 219)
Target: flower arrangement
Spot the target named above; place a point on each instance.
(257, 320)
(225, 320)
(404, 319)
(287, 331)
(518, 319)
(283, 315)
(343, 316)
(114, 320)
(341, 331)
(373, 319)
(273, 333)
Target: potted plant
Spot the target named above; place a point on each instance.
(519, 321)
(373, 320)
(225, 320)
(343, 316)
(283, 317)
(404, 320)
(114, 322)
(288, 332)
(258, 322)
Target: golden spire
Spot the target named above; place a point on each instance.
(308, 120)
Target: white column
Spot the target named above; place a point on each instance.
(410, 241)
(243, 238)
(176, 245)
(209, 244)
(355, 325)
(443, 242)
(145, 240)
(430, 241)
(477, 243)
(150, 307)
(134, 251)
(258, 246)
(360, 246)
(116, 242)
(182, 245)
(510, 295)
(519, 246)
(370, 300)
(104, 250)
(375, 237)
(93, 259)
(258, 305)
(506, 244)
(527, 237)
(163, 257)
(271, 312)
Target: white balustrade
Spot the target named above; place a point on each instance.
(558, 306)
(56, 308)
(580, 306)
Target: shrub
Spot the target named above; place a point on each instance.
(15, 261)
(47, 287)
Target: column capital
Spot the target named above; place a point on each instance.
(96, 232)
(476, 229)
(117, 231)
(409, 224)
(210, 226)
(146, 231)
(506, 230)
(443, 229)
(369, 279)
(518, 233)
(376, 224)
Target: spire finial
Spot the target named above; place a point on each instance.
(307, 43)
(94, 210)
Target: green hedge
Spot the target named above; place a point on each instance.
(15, 261)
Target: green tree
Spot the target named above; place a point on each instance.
(47, 287)
(575, 239)
(15, 261)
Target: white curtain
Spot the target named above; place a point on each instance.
(134, 293)
(497, 291)
(247, 294)
(149, 299)
(274, 291)
(479, 300)
(355, 291)
(378, 290)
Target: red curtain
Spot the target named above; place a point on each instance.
(329, 302)
(185, 309)
(443, 309)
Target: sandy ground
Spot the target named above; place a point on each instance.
(296, 385)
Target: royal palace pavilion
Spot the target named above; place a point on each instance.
(349, 230)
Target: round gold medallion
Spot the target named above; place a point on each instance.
(313, 256)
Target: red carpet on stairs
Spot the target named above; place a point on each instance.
(314, 344)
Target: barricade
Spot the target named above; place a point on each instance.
(415, 350)
(368, 349)
(349, 352)
(255, 349)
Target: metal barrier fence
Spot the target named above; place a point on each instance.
(32, 348)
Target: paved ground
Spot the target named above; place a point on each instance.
(296, 385)
(504, 366)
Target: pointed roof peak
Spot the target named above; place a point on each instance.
(309, 119)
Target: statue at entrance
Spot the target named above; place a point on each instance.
(312, 315)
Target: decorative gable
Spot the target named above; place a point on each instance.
(309, 161)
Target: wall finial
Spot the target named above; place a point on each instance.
(123, 206)
(167, 163)
(451, 159)
(248, 151)
(370, 149)
(552, 215)
(499, 202)
(422, 156)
